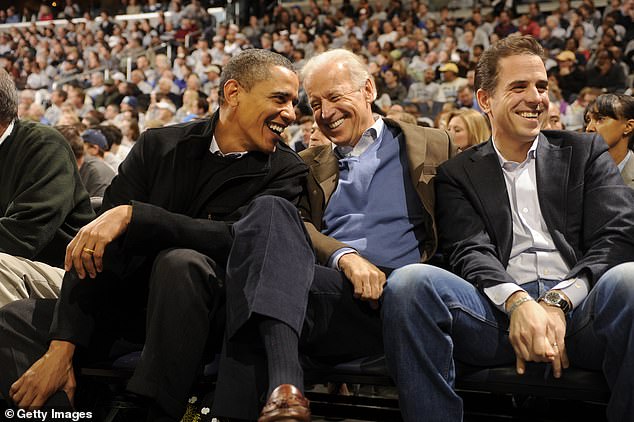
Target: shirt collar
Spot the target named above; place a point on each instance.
(624, 161)
(215, 149)
(368, 137)
(509, 165)
(7, 132)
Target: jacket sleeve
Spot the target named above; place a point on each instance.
(44, 196)
(464, 240)
(154, 228)
(608, 216)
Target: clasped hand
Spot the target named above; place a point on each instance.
(537, 334)
(85, 252)
(366, 278)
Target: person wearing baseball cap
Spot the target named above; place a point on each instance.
(448, 91)
(95, 144)
(570, 78)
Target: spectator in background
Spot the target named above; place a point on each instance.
(422, 94)
(54, 111)
(110, 95)
(95, 173)
(450, 84)
(117, 151)
(317, 138)
(301, 140)
(97, 86)
(528, 26)
(552, 120)
(573, 117)
(570, 78)
(466, 98)
(612, 117)
(504, 26)
(392, 86)
(468, 127)
(606, 73)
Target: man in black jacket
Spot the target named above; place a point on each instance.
(42, 203)
(162, 241)
(538, 229)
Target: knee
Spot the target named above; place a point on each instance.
(410, 284)
(264, 212)
(619, 281)
(271, 202)
(174, 267)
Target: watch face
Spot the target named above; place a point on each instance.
(556, 299)
(553, 298)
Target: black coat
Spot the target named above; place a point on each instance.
(172, 207)
(161, 178)
(588, 210)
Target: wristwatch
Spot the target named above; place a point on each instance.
(555, 298)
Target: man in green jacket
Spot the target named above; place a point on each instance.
(42, 203)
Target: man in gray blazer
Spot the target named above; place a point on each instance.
(537, 228)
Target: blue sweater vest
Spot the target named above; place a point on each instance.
(375, 209)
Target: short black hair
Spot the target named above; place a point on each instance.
(250, 67)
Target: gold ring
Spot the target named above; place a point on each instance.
(89, 251)
(555, 345)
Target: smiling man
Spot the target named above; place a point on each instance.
(151, 268)
(367, 208)
(538, 229)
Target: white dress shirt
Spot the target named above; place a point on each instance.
(534, 254)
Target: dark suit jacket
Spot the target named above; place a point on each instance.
(426, 150)
(162, 178)
(587, 208)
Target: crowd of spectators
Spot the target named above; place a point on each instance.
(423, 61)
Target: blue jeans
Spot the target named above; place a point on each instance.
(432, 318)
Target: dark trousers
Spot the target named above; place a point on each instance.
(272, 272)
(185, 314)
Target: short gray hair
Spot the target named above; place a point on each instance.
(8, 99)
(357, 70)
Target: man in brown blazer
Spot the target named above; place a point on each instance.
(367, 209)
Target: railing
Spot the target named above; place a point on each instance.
(218, 13)
(106, 71)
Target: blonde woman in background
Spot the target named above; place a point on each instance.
(468, 127)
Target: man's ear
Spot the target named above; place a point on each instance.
(369, 90)
(231, 90)
(483, 100)
(629, 127)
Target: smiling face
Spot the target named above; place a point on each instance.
(262, 113)
(520, 97)
(342, 109)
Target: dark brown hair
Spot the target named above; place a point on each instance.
(488, 70)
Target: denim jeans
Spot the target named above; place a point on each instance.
(432, 318)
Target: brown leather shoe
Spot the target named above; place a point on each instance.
(286, 403)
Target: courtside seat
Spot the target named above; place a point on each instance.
(577, 385)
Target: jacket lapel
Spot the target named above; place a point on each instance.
(485, 174)
(325, 171)
(552, 167)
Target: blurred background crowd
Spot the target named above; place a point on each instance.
(139, 64)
